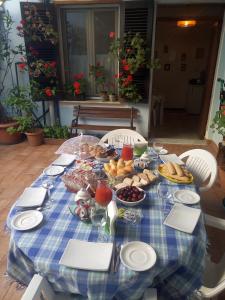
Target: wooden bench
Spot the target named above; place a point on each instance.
(86, 113)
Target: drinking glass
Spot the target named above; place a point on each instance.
(140, 148)
(165, 195)
(103, 193)
(157, 147)
(127, 152)
(48, 184)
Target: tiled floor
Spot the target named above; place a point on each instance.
(177, 124)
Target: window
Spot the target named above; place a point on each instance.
(85, 36)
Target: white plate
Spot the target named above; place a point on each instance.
(172, 158)
(183, 218)
(27, 220)
(64, 160)
(31, 197)
(54, 170)
(186, 196)
(87, 255)
(138, 256)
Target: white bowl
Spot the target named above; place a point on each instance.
(130, 203)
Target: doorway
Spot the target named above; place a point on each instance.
(181, 91)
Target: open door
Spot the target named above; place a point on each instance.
(210, 78)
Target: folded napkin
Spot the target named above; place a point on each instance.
(31, 197)
(87, 255)
(172, 158)
(64, 160)
(183, 218)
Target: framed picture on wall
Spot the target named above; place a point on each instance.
(167, 67)
(183, 67)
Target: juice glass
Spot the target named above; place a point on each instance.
(127, 152)
(103, 193)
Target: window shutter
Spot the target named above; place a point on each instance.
(45, 50)
(138, 17)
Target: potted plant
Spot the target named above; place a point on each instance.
(112, 94)
(132, 55)
(20, 99)
(218, 123)
(7, 58)
(56, 134)
(99, 74)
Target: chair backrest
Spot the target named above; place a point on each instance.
(203, 165)
(118, 137)
(214, 273)
(40, 289)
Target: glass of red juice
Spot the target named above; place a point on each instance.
(103, 193)
(127, 152)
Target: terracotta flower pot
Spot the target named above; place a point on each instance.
(35, 138)
(7, 138)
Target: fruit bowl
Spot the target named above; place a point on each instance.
(130, 195)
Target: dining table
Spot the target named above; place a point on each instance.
(176, 274)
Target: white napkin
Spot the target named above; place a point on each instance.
(31, 197)
(64, 160)
(183, 218)
(172, 158)
(87, 255)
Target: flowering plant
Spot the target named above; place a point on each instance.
(98, 72)
(35, 28)
(127, 89)
(219, 121)
(132, 54)
(78, 86)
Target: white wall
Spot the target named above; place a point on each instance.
(215, 99)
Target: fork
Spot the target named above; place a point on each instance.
(117, 257)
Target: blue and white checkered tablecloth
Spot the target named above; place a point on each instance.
(176, 274)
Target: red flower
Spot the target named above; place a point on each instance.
(129, 78)
(124, 61)
(22, 66)
(23, 22)
(52, 64)
(76, 85)
(128, 50)
(48, 92)
(77, 91)
(126, 67)
(112, 34)
(46, 66)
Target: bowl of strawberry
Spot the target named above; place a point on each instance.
(130, 195)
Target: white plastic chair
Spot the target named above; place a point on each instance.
(214, 273)
(40, 289)
(203, 166)
(118, 137)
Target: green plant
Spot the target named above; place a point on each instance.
(21, 103)
(132, 55)
(218, 123)
(99, 74)
(8, 55)
(56, 131)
